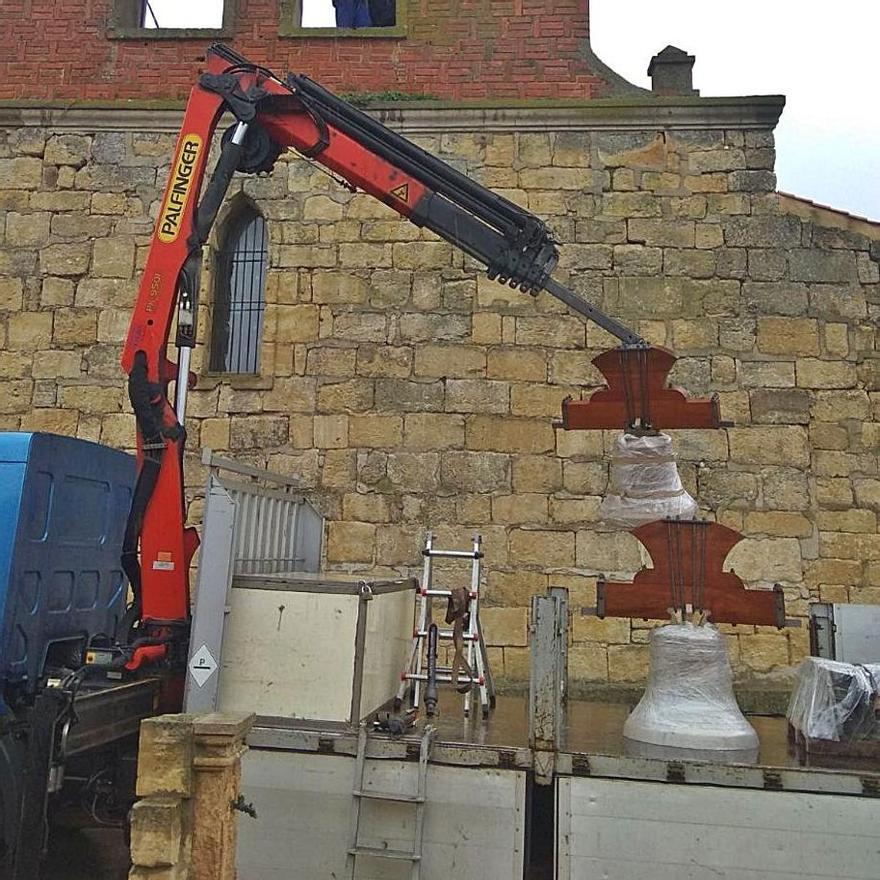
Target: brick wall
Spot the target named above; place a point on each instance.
(406, 391)
(54, 49)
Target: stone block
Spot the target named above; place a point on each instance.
(258, 432)
(338, 288)
(384, 360)
(578, 445)
(788, 336)
(21, 173)
(628, 662)
(431, 328)
(694, 335)
(11, 294)
(766, 264)
(767, 560)
(516, 363)
(547, 549)
(536, 473)
(504, 434)
(560, 331)
(689, 263)
(608, 552)
(165, 756)
(788, 406)
(816, 373)
(18, 396)
(27, 230)
(837, 301)
(864, 521)
(588, 662)
(577, 511)
(504, 626)
(331, 432)
(65, 259)
(322, 208)
(458, 361)
(763, 230)
(661, 233)
(55, 421)
(834, 494)
(75, 326)
(835, 406)
(339, 469)
(419, 256)
(475, 471)
(611, 630)
(814, 265)
(367, 508)
(636, 259)
(113, 257)
(57, 364)
(765, 651)
(585, 478)
(28, 331)
(352, 395)
(360, 255)
(413, 471)
(573, 368)
(375, 431)
(521, 508)
(156, 831)
(401, 395)
(351, 542)
(781, 444)
(719, 487)
(515, 588)
(729, 262)
(398, 544)
(737, 334)
(291, 394)
(777, 523)
(867, 492)
(298, 323)
(762, 181)
(824, 435)
(821, 572)
(214, 433)
(537, 400)
(433, 431)
(112, 325)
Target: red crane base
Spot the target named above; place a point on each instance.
(636, 394)
(688, 556)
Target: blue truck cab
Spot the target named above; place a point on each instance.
(63, 508)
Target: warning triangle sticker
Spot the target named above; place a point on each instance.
(401, 192)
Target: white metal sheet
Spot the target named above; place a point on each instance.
(474, 819)
(386, 646)
(289, 654)
(625, 830)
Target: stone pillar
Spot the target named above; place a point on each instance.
(161, 822)
(189, 769)
(219, 743)
(671, 72)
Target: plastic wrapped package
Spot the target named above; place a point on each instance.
(689, 701)
(836, 701)
(645, 483)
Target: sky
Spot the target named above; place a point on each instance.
(822, 57)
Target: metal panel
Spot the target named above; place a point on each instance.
(254, 522)
(624, 830)
(474, 819)
(857, 633)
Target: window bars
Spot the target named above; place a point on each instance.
(239, 299)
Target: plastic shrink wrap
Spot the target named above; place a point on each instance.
(836, 701)
(645, 483)
(689, 701)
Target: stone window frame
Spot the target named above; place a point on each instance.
(125, 17)
(263, 379)
(290, 24)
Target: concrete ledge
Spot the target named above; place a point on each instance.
(427, 117)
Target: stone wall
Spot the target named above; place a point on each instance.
(405, 391)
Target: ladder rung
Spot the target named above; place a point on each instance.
(447, 634)
(389, 796)
(452, 554)
(444, 677)
(444, 593)
(380, 852)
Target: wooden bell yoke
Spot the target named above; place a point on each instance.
(688, 577)
(637, 396)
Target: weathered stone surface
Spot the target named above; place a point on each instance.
(608, 552)
(433, 431)
(767, 560)
(792, 336)
(409, 396)
(475, 472)
(547, 549)
(788, 406)
(156, 828)
(507, 434)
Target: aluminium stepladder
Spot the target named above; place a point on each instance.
(415, 673)
(362, 792)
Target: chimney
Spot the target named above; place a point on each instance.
(671, 73)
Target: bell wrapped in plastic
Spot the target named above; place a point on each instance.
(645, 483)
(689, 701)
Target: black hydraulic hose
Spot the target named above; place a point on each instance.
(433, 172)
(431, 685)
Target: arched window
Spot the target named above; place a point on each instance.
(239, 300)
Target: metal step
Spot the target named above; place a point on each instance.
(389, 796)
(443, 593)
(445, 677)
(452, 554)
(380, 852)
(447, 634)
